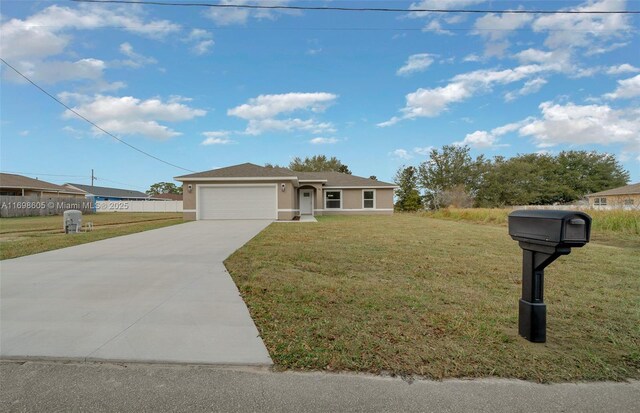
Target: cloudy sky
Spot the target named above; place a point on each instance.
(204, 88)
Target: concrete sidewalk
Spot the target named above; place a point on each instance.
(36, 386)
(156, 296)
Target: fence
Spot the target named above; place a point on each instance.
(139, 206)
(29, 206)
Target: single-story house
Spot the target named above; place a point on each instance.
(18, 185)
(103, 193)
(249, 191)
(624, 197)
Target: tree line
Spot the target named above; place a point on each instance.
(450, 176)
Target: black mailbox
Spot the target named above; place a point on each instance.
(543, 235)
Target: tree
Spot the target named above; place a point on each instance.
(450, 168)
(164, 188)
(588, 172)
(318, 163)
(407, 195)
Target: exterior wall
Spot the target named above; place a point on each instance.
(352, 203)
(616, 202)
(287, 200)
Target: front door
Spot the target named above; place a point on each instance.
(306, 201)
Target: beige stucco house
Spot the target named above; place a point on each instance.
(249, 191)
(624, 197)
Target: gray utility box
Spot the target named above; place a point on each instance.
(543, 235)
(72, 221)
(550, 227)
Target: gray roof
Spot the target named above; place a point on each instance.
(249, 170)
(14, 181)
(244, 170)
(632, 189)
(103, 191)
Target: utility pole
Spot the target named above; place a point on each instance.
(92, 177)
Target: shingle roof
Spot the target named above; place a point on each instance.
(244, 170)
(22, 182)
(340, 179)
(249, 170)
(103, 191)
(632, 189)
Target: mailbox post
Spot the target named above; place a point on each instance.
(543, 235)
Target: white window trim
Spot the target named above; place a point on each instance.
(374, 198)
(199, 186)
(324, 196)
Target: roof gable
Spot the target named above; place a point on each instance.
(245, 170)
(623, 190)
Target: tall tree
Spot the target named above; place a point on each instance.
(164, 188)
(446, 169)
(318, 163)
(407, 195)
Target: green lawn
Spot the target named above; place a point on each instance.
(413, 295)
(30, 235)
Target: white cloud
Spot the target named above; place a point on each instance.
(401, 154)
(217, 138)
(627, 88)
(529, 87)
(432, 102)
(201, 40)
(239, 16)
(425, 150)
(433, 19)
(495, 28)
(416, 63)
(472, 58)
(29, 43)
(621, 69)
(268, 106)
(583, 124)
(24, 133)
(488, 139)
(261, 112)
(131, 116)
(323, 141)
(136, 60)
(583, 30)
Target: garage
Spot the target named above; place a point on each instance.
(255, 201)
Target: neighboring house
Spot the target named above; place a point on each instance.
(167, 197)
(625, 197)
(249, 191)
(102, 193)
(18, 185)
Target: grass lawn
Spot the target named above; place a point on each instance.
(413, 295)
(30, 235)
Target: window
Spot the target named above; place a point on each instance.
(333, 199)
(600, 201)
(628, 201)
(368, 198)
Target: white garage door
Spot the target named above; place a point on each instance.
(237, 202)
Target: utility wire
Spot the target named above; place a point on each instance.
(37, 174)
(361, 9)
(90, 122)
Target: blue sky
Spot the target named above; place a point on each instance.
(205, 88)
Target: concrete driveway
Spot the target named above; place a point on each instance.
(156, 296)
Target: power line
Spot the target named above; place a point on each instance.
(37, 174)
(93, 123)
(356, 9)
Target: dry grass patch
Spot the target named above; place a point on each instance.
(31, 235)
(436, 298)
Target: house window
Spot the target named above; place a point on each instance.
(600, 201)
(628, 201)
(333, 199)
(368, 198)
